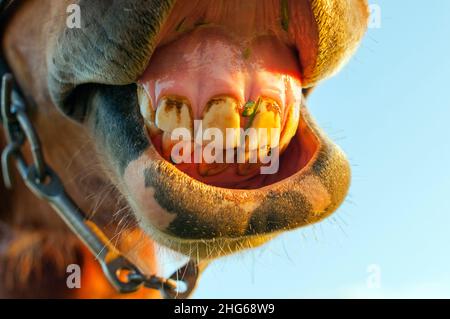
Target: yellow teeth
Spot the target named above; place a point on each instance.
(254, 134)
(206, 169)
(147, 111)
(267, 121)
(290, 127)
(181, 146)
(173, 113)
(223, 113)
(252, 161)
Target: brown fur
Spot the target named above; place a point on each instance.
(35, 243)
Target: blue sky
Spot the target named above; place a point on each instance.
(389, 109)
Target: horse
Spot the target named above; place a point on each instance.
(106, 85)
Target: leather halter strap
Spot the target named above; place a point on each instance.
(46, 185)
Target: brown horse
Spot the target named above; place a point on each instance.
(105, 97)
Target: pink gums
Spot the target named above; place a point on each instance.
(208, 62)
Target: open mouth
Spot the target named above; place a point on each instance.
(209, 74)
(223, 74)
(207, 70)
(238, 65)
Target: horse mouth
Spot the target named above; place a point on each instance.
(226, 65)
(236, 89)
(208, 209)
(218, 78)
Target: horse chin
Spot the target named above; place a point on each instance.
(206, 249)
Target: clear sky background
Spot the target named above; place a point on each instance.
(389, 109)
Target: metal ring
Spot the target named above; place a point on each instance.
(188, 274)
(111, 269)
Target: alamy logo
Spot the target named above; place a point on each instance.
(73, 280)
(374, 277)
(73, 20)
(375, 16)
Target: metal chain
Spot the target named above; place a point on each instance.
(45, 184)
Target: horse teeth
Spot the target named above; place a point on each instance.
(267, 123)
(252, 161)
(182, 145)
(245, 169)
(290, 127)
(174, 112)
(147, 111)
(167, 145)
(262, 134)
(211, 169)
(222, 113)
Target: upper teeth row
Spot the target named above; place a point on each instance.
(221, 113)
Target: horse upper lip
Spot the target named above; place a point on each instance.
(111, 51)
